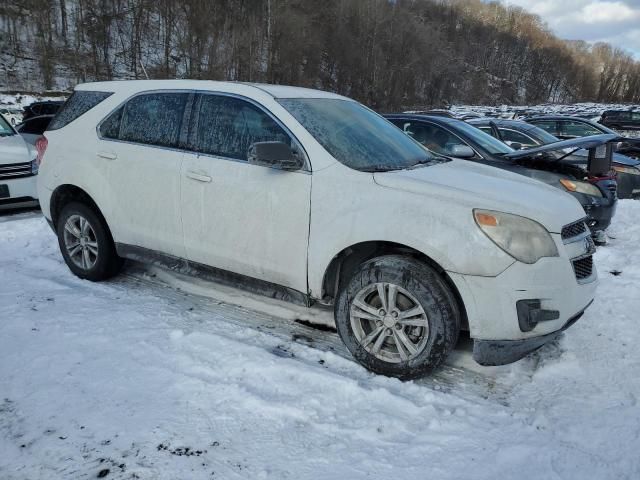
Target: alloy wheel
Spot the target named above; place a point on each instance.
(81, 242)
(389, 322)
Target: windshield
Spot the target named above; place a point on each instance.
(356, 136)
(484, 140)
(5, 128)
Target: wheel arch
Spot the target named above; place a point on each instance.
(67, 193)
(347, 260)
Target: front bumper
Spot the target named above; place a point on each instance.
(491, 302)
(22, 192)
(502, 352)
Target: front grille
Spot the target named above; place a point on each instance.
(15, 170)
(573, 230)
(583, 267)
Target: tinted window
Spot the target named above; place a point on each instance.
(511, 136)
(36, 125)
(481, 139)
(547, 125)
(5, 128)
(487, 130)
(432, 136)
(356, 136)
(578, 129)
(635, 116)
(153, 119)
(79, 103)
(227, 127)
(110, 127)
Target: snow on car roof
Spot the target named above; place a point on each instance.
(276, 91)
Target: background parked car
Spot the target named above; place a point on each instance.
(455, 138)
(621, 119)
(11, 115)
(45, 107)
(33, 128)
(524, 135)
(565, 127)
(17, 169)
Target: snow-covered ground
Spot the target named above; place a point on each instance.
(150, 376)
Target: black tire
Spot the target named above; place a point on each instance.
(107, 263)
(432, 292)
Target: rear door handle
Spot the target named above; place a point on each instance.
(107, 155)
(199, 177)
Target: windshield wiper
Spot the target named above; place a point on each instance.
(428, 161)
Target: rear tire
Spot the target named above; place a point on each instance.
(398, 317)
(86, 244)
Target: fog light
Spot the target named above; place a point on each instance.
(530, 314)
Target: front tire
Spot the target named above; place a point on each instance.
(86, 244)
(398, 317)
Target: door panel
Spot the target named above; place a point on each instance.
(243, 218)
(247, 219)
(139, 143)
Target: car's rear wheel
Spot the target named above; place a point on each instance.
(398, 317)
(86, 243)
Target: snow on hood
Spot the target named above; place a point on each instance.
(481, 186)
(13, 149)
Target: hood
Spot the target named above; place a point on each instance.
(481, 186)
(583, 142)
(13, 149)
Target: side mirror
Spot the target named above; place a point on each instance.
(515, 145)
(277, 155)
(461, 151)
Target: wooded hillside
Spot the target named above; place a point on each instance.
(389, 54)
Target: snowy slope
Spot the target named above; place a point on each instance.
(136, 379)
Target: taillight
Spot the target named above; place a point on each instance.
(41, 147)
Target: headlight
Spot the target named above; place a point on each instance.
(581, 187)
(522, 238)
(629, 170)
(34, 166)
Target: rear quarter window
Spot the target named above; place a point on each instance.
(79, 103)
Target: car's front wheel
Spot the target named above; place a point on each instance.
(86, 243)
(398, 317)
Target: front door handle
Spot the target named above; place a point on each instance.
(199, 177)
(107, 155)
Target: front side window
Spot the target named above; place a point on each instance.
(578, 129)
(228, 126)
(151, 119)
(79, 103)
(356, 136)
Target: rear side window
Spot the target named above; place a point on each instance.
(152, 119)
(547, 125)
(578, 129)
(227, 127)
(79, 103)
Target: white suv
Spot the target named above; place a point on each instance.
(311, 197)
(18, 168)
